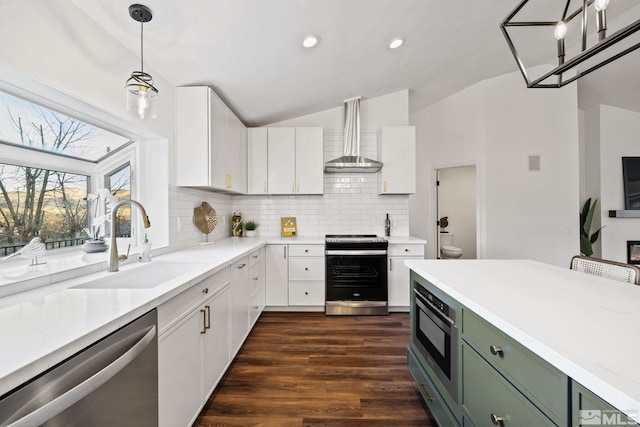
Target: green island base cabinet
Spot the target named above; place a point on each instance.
(499, 381)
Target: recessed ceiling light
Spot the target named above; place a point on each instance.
(396, 43)
(310, 41)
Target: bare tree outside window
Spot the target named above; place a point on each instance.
(46, 201)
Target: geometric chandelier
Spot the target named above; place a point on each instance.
(563, 32)
(141, 93)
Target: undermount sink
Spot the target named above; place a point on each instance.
(145, 276)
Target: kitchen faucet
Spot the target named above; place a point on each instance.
(113, 257)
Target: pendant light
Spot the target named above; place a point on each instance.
(141, 94)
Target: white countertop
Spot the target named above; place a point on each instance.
(46, 321)
(586, 326)
(41, 327)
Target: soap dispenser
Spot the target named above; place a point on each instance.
(387, 227)
(145, 252)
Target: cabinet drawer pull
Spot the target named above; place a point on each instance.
(406, 249)
(207, 324)
(495, 350)
(496, 420)
(254, 278)
(284, 251)
(306, 293)
(255, 256)
(306, 250)
(205, 291)
(424, 393)
(204, 322)
(390, 264)
(306, 269)
(242, 266)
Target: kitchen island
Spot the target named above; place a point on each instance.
(582, 328)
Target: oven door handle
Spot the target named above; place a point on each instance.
(355, 252)
(69, 398)
(433, 309)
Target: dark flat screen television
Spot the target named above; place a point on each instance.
(631, 177)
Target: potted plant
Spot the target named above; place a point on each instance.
(586, 217)
(251, 228)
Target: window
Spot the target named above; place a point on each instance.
(118, 183)
(41, 202)
(49, 163)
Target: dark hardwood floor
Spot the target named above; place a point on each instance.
(308, 369)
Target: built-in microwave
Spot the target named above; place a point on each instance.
(434, 336)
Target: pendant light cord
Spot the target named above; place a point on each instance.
(142, 46)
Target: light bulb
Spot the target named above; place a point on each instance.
(560, 31)
(601, 5)
(143, 104)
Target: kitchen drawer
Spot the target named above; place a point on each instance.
(255, 257)
(431, 397)
(406, 250)
(176, 307)
(306, 250)
(254, 278)
(311, 268)
(585, 400)
(306, 293)
(546, 386)
(487, 393)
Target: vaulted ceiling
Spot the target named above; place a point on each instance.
(250, 51)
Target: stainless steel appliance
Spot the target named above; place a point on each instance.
(434, 335)
(356, 275)
(113, 382)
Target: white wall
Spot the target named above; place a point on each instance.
(457, 201)
(497, 124)
(619, 133)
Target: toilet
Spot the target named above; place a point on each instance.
(447, 250)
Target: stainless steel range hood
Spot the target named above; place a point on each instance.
(352, 161)
(352, 164)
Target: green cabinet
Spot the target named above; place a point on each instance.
(544, 385)
(489, 399)
(429, 392)
(588, 409)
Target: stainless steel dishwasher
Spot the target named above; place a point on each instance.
(113, 382)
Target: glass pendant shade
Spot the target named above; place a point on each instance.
(142, 95)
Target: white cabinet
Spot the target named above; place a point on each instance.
(306, 275)
(239, 303)
(211, 142)
(193, 348)
(277, 276)
(295, 276)
(257, 161)
(309, 161)
(398, 273)
(397, 151)
(284, 160)
(281, 160)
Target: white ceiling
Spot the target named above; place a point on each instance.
(250, 51)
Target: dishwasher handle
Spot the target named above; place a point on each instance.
(68, 399)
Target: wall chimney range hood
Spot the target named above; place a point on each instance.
(352, 161)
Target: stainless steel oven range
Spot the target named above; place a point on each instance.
(356, 275)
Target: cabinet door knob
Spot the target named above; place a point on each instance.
(306, 269)
(205, 291)
(495, 350)
(406, 249)
(306, 250)
(496, 420)
(306, 293)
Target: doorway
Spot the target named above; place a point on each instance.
(456, 201)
